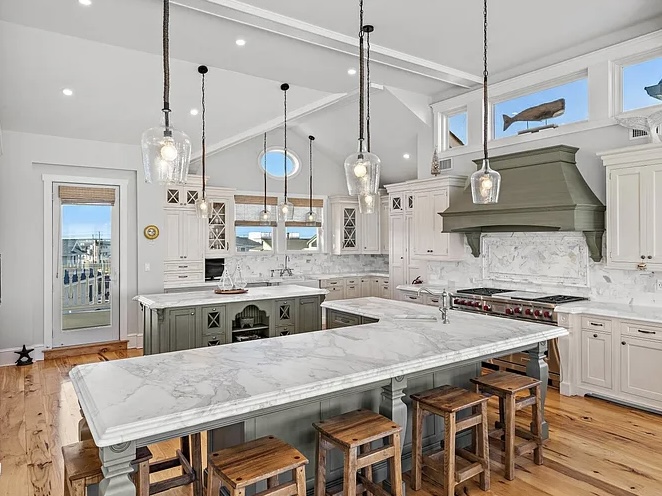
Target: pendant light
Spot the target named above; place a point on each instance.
(166, 151)
(202, 205)
(285, 208)
(367, 201)
(362, 168)
(485, 182)
(264, 217)
(311, 216)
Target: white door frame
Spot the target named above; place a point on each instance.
(123, 302)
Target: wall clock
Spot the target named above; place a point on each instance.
(151, 232)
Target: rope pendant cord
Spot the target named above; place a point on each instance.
(166, 61)
(367, 65)
(285, 139)
(204, 137)
(485, 73)
(264, 157)
(310, 175)
(361, 75)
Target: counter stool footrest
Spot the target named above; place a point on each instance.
(375, 456)
(524, 402)
(525, 448)
(468, 422)
(370, 486)
(287, 489)
(466, 473)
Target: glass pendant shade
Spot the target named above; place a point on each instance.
(202, 208)
(264, 217)
(311, 218)
(362, 172)
(367, 203)
(285, 210)
(166, 155)
(485, 184)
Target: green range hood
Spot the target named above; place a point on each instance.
(541, 190)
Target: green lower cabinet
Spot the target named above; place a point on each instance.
(285, 330)
(286, 314)
(182, 329)
(214, 326)
(309, 316)
(336, 319)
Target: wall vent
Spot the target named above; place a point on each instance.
(445, 164)
(638, 133)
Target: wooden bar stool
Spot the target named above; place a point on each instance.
(82, 468)
(446, 402)
(262, 459)
(358, 429)
(506, 385)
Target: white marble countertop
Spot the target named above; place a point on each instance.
(281, 280)
(145, 398)
(349, 274)
(615, 310)
(196, 298)
(436, 289)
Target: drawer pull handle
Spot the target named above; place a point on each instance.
(436, 300)
(645, 332)
(183, 266)
(341, 320)
(412, 297)
(182, 277)
(596, 324)
(595, 335)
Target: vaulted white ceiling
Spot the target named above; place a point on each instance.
(109, 54)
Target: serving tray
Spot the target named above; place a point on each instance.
(230, 291)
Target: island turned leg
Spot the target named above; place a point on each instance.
(394, 408)
(116, 467)
(537, 368)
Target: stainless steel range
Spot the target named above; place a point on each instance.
(521, 305)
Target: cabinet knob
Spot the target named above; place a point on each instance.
(623, 343)
(595, 335)
(649, 257)
(643, 257)
(192, 313)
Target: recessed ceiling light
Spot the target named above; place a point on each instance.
(67, 92)
(194, 111)
(87, 3)
(240, 42)
(351, 72)
(406, 156)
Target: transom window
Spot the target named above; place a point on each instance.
(272, 162)
(640, 84)
(457, 130)
(559, 105)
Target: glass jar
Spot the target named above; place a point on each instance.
(238, 277)
(226, 284)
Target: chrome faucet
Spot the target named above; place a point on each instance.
(443, 303)
(286, 269)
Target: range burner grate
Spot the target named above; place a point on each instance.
(481, 291)
(558, 299)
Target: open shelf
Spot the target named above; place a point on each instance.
(254, 328)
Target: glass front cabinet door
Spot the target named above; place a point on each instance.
(219, 228)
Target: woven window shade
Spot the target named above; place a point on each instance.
(255, 200)
(85, 195)
(301, 223)
(303, 202)
(254, 223)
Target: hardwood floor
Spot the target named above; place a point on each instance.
(596, 448)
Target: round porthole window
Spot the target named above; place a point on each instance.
(272, 162)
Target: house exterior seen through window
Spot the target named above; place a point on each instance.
(457, 130)
(640, 83)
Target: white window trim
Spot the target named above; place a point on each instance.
(617, 77)
(123, 186)
(444, 127)
(297, 163)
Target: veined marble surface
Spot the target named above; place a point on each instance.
(195, 298)
(414, 288)
(615, 310)
(146, 397)
(285, 279)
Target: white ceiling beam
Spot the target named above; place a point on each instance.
(309, 33)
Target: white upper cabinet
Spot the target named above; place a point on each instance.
(384, 214)
(352, 231)
(634, 199)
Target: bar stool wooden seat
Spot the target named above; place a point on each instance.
(82, 468)
(255, 461)
(446, 402)
(506, 385)
(358, 429)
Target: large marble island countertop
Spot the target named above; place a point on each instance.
(197, 298)
(144, 398)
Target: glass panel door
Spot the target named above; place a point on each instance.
(85, 303)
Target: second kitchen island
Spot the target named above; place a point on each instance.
(181, 321)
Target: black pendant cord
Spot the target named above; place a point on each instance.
(285, 87)
(368, 29)
(485, 73)
(166, 61)
(361, 75)
(203, 70)
(310, 174)
(264, 157)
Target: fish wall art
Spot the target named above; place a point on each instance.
(537, 113)
(655, 91)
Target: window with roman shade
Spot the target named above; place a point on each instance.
(251, 235)
(79, 195)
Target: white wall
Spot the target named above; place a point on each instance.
(237, 167)
(26, 157)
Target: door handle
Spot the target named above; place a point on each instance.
(645, 332)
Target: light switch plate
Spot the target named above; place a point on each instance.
(658, 285)
(148, 267)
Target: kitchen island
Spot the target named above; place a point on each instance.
(181, 321)
(280, 386)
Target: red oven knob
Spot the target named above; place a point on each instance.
(528, 311)
(537, 313)
(477, 304)
(509, 311)
(456, 301)
(547, 314)
(463, 302)
(487, 308)
(518, 310)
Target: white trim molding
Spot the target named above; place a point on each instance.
(9, 357)
(123, 185)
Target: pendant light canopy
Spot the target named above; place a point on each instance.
(362, 168)
(166, 151)
(202, 205)
(264, 217)
(285, 208)
(485, 182)
(311, 216)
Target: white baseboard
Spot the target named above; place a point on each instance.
(135, 340)
(8, 357)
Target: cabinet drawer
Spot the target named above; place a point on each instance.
(284, 330)
(596, 324)
(183, 266)
(335, 293)
(412, 297)
(352, 280)
(352, 291)
(645, 331)
(183, 277)
(433, 301)
(213, 340)
(213, 320)
(337, 319)
(333, 283)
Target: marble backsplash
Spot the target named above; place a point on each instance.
(260, 266)
(547, 262)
